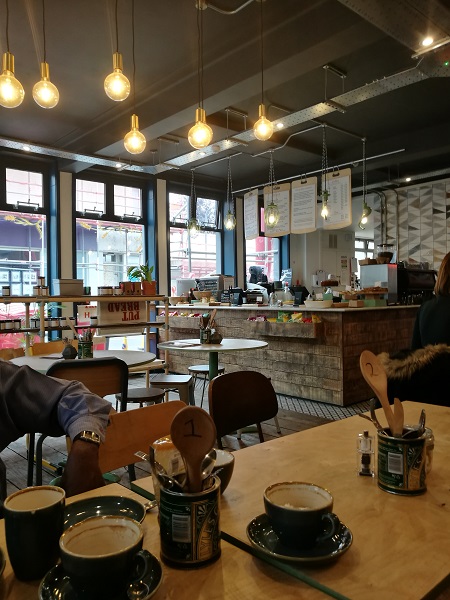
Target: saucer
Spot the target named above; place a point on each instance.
(56, 584)
(262, 536)
(120, 506)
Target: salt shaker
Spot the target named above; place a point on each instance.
(364, 454)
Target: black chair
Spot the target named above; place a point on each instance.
(240, 399)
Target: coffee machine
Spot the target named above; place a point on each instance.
(405, 285)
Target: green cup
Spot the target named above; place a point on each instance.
(34, 519)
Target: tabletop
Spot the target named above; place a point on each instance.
(226, 345)
(400, 544)
(42, 362)
(237, 575)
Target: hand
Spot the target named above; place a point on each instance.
(82, 472)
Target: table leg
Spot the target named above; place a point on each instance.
(213, 365)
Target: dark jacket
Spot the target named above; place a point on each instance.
(432, 324)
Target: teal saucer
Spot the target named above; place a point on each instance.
(263, 537)
(56, 584)
(103, 505)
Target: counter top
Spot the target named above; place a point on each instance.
(202, 307)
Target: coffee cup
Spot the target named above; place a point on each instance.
(34, 521)
(103, 555)
(300, 513)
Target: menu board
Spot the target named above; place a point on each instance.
(303, 205)
(251, 221)
(281, 197)
(340, 200)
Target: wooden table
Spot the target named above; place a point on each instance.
(235, 576)
(42, 363)
(226, 345)
(401, 545)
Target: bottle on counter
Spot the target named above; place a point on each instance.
(287, 296)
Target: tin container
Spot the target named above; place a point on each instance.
(190, 527)
(402, 465)
(41, 280)
(6, 290)
(85, 349)
(205, 336)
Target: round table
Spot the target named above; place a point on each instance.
(42, 362)
(226, 345)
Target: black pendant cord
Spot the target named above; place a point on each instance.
(364, 173)
(117, 28)
(324, 162)
(134, 57)
(43, 30)
(200, 55)
(192, 200)
(229, 187)
(262, 52)
(7, 25)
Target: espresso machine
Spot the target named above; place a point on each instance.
(405, 284)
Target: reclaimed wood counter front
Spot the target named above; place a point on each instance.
(316, 361)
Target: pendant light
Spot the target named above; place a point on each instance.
(134, 141)
(11, 90)
(193, 225)
(366, 208)
(230, 219)
(45, 93)
(325, 193)
(200, 134)
(271, 212)
(263, 128)
(117, 86)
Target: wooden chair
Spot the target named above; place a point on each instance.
(53, 347)
(135, 430)
(240, 399)
(102, 376)
(202, 372)
(8, 353)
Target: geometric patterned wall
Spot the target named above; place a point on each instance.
(417, 220)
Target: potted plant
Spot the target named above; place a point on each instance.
(144, 273)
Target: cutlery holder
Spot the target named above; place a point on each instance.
(190, 527)
(401, 465)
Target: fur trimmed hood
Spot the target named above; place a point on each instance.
(406, 363)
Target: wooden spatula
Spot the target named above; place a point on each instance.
(193, 432)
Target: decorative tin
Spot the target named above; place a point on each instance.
(190, 526)
(85, 349)
(401, 465)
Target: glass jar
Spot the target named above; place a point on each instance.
(6, 290)
(385, 251)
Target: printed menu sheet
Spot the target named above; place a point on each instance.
(303, 205)
(281, 197)
(340, 200)
(251, 220)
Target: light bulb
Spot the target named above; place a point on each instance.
(134, 141)
(271, 215)
(324, 213)
(230, 221)
(193, 228)
(117, 86)
(263, 128)
(200, 134)
(44, 92)
(11, 90)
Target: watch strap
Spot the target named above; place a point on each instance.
(88, 436)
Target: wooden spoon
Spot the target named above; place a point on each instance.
(375, 375)
(399, 418)
(193, 432)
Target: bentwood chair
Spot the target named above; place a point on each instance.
(9, 353)
(50, 347)
(102, 376)
(240, 399)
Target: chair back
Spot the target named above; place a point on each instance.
(50, 347)
(8, 353)
(239, 399)
(134, 430)
(102, 376)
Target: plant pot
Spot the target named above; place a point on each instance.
(148, 288)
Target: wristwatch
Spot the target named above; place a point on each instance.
(88, 436)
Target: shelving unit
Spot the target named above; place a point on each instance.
(42, 301)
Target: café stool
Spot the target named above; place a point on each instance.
(141, 396)
(182, 384)
(202, 371)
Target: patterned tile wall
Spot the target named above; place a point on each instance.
(417, 220)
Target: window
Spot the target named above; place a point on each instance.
(127, 201)
(105, 250)
(24, 188)
(193, 257)
(90, 196)
(363, 249)
(263, 252)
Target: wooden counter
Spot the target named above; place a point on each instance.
(316, 361)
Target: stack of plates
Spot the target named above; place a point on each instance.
(318, 303)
